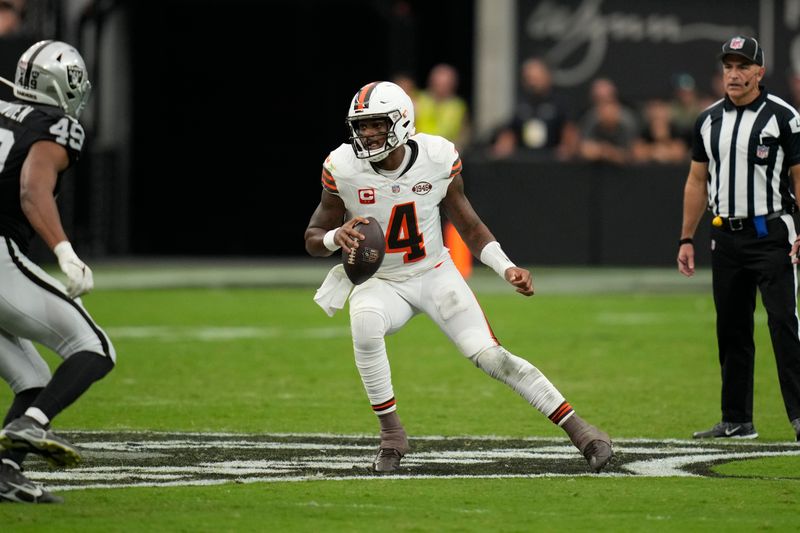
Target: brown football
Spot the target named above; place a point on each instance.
(362, 262)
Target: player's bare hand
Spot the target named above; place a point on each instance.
(521, 279)
(347, 237)
(795, 250)
(686, 260)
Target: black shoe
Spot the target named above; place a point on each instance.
(728, 430)
(15, 487)
(796, 426)
(28, 435)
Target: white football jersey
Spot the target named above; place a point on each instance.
(407, 206)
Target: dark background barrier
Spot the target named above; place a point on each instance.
(554, 213)
(238, 103)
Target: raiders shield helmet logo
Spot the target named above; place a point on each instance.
(74, 76)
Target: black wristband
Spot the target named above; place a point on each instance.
(687, 240)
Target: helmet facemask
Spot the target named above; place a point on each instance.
(361, 142)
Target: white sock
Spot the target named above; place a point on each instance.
(38, 415)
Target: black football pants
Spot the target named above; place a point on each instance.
(741, 263)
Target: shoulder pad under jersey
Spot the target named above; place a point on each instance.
(438, 149)
(52, 124)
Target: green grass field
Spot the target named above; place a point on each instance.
(245, 351)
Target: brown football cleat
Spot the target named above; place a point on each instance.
(598, 453)
(594, 444)
(387, 460)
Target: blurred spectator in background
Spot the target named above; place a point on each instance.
(14, 39)
(659, 140)
(793, 86)
(541, 121)
(686, 105)
(406, 82)
(11, 17)
(609, 128)
(717, 90)
(440, 110)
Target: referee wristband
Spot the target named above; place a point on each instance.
(687, 240)
(493, 256)
(327, 240)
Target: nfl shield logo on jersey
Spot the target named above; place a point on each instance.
(395, 189)
(762, 152)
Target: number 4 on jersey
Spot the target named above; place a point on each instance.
(403, 235)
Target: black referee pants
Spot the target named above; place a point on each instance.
(742, 263)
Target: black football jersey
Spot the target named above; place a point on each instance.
(21, 125)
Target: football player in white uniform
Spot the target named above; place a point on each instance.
(40, 137)
(401, 179)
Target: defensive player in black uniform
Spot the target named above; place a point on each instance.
(40, 138)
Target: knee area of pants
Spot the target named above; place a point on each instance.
(93, 363)
(488, 358)
(497, 361)
(367, 326)
(92, 344)
(471, 342)
(37, 381)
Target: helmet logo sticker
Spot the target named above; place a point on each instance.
(74, 76)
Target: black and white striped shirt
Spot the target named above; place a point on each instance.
(749, 150)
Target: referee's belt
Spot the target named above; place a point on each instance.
(739, 223)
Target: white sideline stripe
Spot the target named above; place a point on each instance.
(309, 272)
(216, 333)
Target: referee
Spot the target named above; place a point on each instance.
(745, 169)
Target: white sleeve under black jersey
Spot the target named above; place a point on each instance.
(22, 125)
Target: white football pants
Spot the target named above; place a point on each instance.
(379, 307)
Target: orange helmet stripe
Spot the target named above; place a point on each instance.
(362, 100)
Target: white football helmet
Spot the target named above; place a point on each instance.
(381, 99)
(53, 73)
